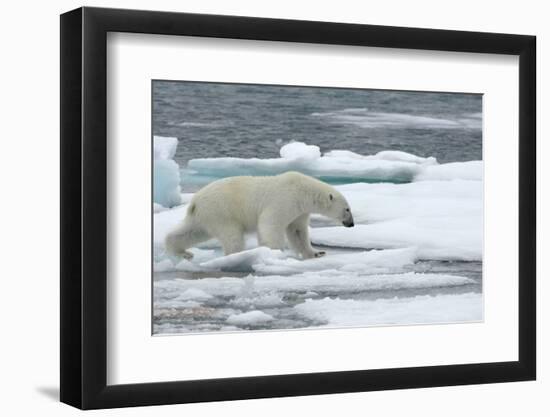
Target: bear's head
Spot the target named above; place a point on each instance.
(337, 207)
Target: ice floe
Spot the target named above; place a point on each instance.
(424, 309)
(249, 318)
(470, 170)
(393, 166)
(166, 172)
(266, 261)
(442, 219)
(337, 166)
(333, 281)
(435, 239)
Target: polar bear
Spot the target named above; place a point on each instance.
(229, 208)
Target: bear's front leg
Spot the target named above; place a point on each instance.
(297, 234)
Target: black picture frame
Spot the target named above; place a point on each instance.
(84, 207)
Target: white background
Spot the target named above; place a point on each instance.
(30, 116)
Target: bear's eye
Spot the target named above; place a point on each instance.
(347, 210)
(330, 196)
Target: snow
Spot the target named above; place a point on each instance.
(243, 261)
(166, 175)
(157, 208)
(444, 238)
(268, 261)
(471, 170)
(383, 155)
(249, 318)
(424, 309)
(368, 262)
(294, 150)
(164, 147)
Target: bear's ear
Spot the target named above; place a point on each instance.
(331, 197)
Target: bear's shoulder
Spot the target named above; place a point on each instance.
(293, 175)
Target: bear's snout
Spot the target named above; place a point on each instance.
(348, 223)
(348, 219)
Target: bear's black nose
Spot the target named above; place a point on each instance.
(348, 224)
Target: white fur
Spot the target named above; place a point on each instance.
(274, 207)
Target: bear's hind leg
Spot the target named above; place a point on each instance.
(184, 237)
(232, 240)
(297, 234)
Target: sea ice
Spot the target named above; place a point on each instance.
(424, 309)
(164, 222)
(393, 166)
(166, 175)
(435, 239)
(164, 147)
(331, 281)
(249, 318)
(470, 170)
(242, 261)
(299, 150)
(336, 165)
(442, 219)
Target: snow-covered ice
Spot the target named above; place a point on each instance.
(268, 261)
(318, 281)
(442, 219)
(471, 170)
(392, 166)
(249, 318)
(414, 310)
(337, 165)
(166, 172)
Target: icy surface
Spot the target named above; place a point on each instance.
(157, 208)
(442, 219)
(394, 166)
(307, 299)
(472, 170)
(299, 150)
(244, 261)
(267, 261)
(414, 255)
(336, 166)
(249, 318)
(164, 147)
(415, 310)
(320, 281)
(164, 222)
(166, 172)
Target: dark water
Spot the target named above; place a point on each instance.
(247, 121)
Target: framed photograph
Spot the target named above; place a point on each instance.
(261, 208)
